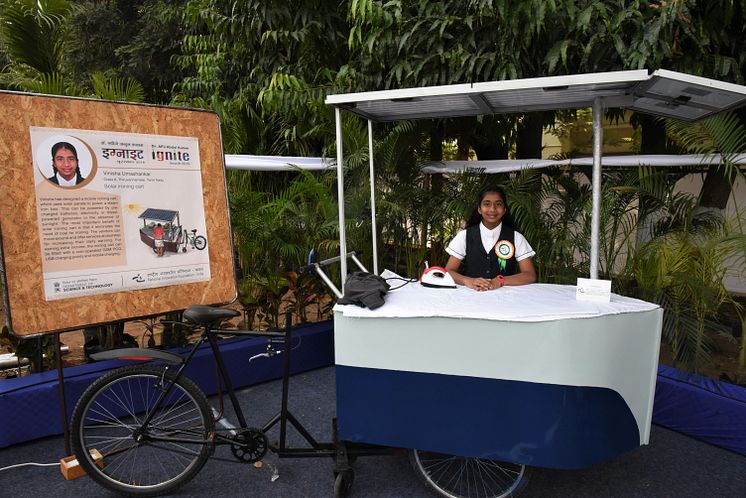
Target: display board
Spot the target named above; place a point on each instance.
(109, 211)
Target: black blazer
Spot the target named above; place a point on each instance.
(479, 263)
(78, 179)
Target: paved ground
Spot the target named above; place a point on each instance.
(673, 465)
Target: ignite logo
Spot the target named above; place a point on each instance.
(171, 156)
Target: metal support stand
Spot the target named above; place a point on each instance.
(63, 401)
(344, 474)
(39, 367)
(341, 457)
(285, 416)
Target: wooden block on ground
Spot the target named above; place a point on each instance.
(71, 468)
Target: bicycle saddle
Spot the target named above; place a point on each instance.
(202, 314)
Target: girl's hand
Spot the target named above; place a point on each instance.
(480, 284)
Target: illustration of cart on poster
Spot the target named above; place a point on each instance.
(175, 237)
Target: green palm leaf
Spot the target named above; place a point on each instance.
(31, 31)
(126, 90)
(722, 134)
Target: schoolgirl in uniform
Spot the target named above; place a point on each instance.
(492, 252)
(65, 165)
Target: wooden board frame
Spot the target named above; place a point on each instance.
(27, 311)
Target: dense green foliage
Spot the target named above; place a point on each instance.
(265, 67)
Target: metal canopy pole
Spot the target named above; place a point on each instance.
(598, 138)
(341, 199)
(372, 197)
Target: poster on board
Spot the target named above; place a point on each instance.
(84, 186)
(117, 211)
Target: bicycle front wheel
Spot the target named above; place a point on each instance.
(200, 242)
(459, 477)
(142, 461)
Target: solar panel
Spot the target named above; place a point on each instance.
(662, 93)
(164, 215)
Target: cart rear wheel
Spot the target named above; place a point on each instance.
(459, 477)
(343, 483)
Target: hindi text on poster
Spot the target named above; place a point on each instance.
(118, 211)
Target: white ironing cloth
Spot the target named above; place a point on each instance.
(526, 303)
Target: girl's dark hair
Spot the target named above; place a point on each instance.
(63, 145)
(475, 218)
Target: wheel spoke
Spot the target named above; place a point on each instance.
(141, 459)
(461, 477)
(108, 415)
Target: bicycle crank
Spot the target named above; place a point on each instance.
(249, 445)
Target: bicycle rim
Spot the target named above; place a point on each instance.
(167, 454)
(459, 477)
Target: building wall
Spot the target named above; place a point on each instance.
(735, 282)
(619, 139)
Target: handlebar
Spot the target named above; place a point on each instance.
(335, 259)
(267, 354)
(270, 350)
(317, 266)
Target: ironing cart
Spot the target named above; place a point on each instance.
(525, 376)
(171, 228)
(521, 375)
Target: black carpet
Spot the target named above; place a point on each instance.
(673, 465)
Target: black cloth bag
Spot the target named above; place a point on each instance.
(365, 290)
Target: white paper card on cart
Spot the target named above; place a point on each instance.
(589, 289)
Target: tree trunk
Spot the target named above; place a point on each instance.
(653, 135)
(462, 148)
(436, 143)
(716, 188)
(653, 141)
(528, 141)
(489, 139)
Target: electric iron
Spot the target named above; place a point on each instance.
(438, 277)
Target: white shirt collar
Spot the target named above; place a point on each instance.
(67, 183)
(490, 233)
(489, 237)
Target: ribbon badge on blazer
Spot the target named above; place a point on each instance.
(504, 250)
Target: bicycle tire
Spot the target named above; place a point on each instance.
(460, 477)
(200, 242)
(105, 419)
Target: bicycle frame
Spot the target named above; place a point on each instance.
(284, 416)
(189, 238)
(336, 449)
